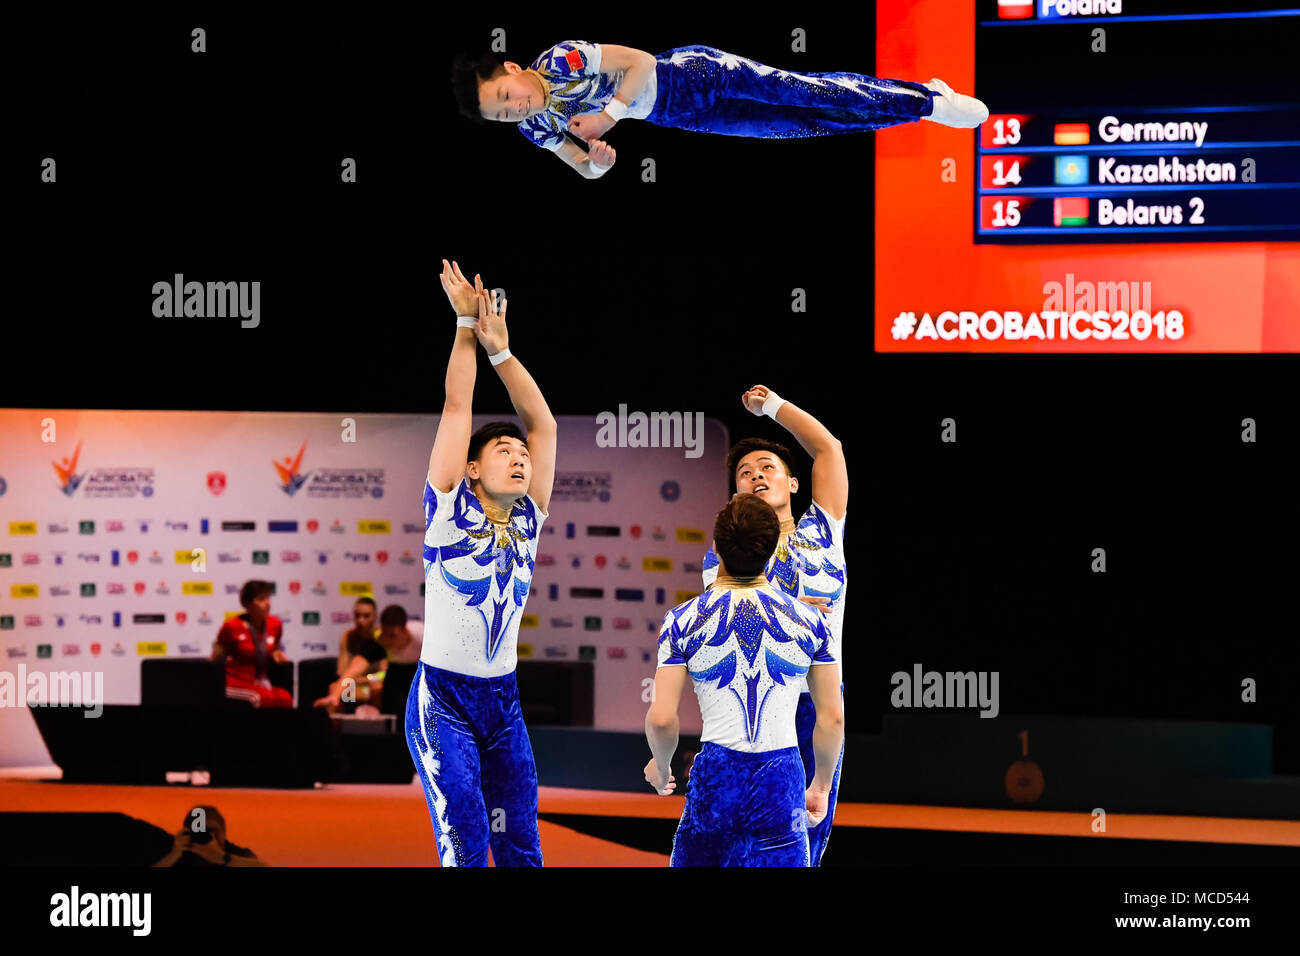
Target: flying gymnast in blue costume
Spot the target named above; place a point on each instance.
(585, 88)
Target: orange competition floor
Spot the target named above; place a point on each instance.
(319, 827)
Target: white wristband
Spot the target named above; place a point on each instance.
(466, 321)
(772, 405)
(616, 108)
(499, 357)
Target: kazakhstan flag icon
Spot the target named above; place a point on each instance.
(1072, 170)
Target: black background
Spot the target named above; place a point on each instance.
(671, 295)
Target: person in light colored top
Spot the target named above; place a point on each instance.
(746, 646)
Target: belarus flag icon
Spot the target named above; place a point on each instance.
(1015, 9)
(1071, 211)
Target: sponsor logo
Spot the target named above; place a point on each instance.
(189, 649)
(31, 620)
(586, 592)
(95, 649)
(16, 651)
(115, 587)
(360, 557)
(87, 589)
(155, 558)
(575, 561)
(583, 486)
(634, 531)
(44, 650)
(205, 618)
(7, 560)
(337, 527)
(691, 535)
(656, 564)
(238, 525)
(410, 527)
(59, 590)
(216, 482)
(624, 564)
(374, 527)
(282, 526)
(603, 531)
(313, 526)
(354, 589)
(85, 558)
(600, 561)
(228, 557)
(645, 657)
(408, 558)
(85, 527)
(138, 587)
(176, 525)
(151, 648)
(553, 651)
(311, 618)
(132, 557)
(524, 650)
(113, 527)
(261, 557)
(658, 533)
(670, 491)
(290, 471)
(350, 483)
(529, 620)
(591, 623)
(615, 652)
(317, 647)
(149, 619)
(34, 590)
(196, 587)
(290, 557)
(322, 557)
(622, 624)
(162, 588)
(545, 560)
(629, 594)
(295, 587)
(181, 617)
(319, 588)
(587, 652)
(6, 622)
(144, 525)
(341, 617)
(56, 527)
(391, 589)
(561, 622)
(118, 650)
(381, 557)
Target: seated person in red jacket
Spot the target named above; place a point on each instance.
(248, 644)
(362, 663)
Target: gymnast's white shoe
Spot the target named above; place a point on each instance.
(955, 109)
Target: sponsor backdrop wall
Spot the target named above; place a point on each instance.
(127, 534)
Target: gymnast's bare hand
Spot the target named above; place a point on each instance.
(591, 126)
(822, 604)
(664, 783)
(817, 803)
(754, 398)
(491, 327)
(600, 153)
(462, 296)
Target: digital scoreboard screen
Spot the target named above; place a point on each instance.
(1124, 158)
(1136, 186)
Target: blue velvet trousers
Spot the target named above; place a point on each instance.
(470, 747)
(805, 719)
(703, 89)
(743, 809)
